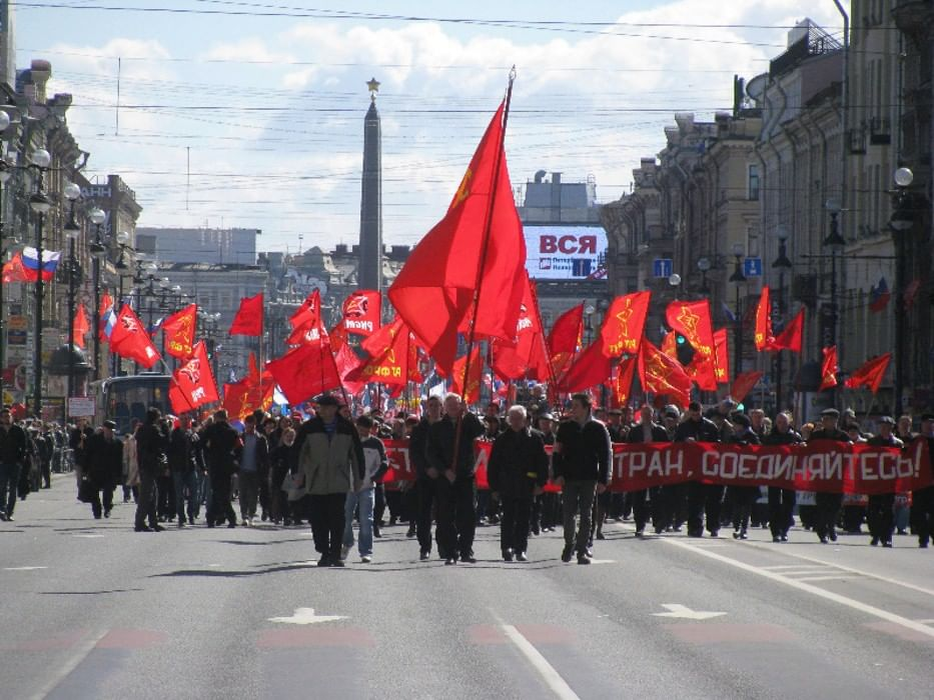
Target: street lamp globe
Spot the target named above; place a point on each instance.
(176, 289)
(4, 120)
(674, 279)
(703, 264)
(164, 283)
(904, 177)
(40, 158)
(738, 249)
(71, 191)
(97, 216)
(833, 205)
(123, 237)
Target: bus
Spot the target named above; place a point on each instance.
(121, 399)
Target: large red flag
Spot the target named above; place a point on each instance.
(870, 373)
(743, 384)
(477, 248)
(305, 371)
(763, 332)
(721, 354)
(179, 330)
(790, 338)
(131, 341)
(829, 368)
(662, 375)
(622, 386)
(590, 368)
(474, 376)
(527, 358)
(346, 361)
(193, 384)
(564, 340)
(249, 318)
(243, 397)
(361, 312)
(81, 327)
(391, 366)
(692, 320)
(309, 313)
(624, 323)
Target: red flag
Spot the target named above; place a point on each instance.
(15, 271)
(528, 357)
(870, 374)
(721, 354)
(179, 330)
(243, 397)
(692, 320)
(590, 368)
(829, 368)
(622, 386)
(306, 371)
(790, 338)
(472, 392)
(662, 375)
(703, 370)
(131, 341)
(670, 345)
(565, 338)
(107, 305)
(763, 332)
(624, 323)
(249, 318)
(393, 365)
(309, 313)
(361, 311)
(194, 384)
(478, 247)
(346, 361)
(743, 384)
(81, 327)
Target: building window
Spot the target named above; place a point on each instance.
(752, 183)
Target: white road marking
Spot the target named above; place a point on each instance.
(678, 610)
(307, 616)
(602, 561)
(60, 671)
(808, 588)
(783, 567)
(838, 577)
(549, 675)
(90, 537)
(24, 568)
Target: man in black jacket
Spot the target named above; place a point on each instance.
(151, 444)
(220, 443)
(12, 456)
(922, 500)
(426, 477)
(517, 471)
(882, 505)
(104, 460)
(581, 463)
(702, 498)
(781, 501)
(183, 463)
(827, 505)
(450, 451)
(742, 497)
(647, 431)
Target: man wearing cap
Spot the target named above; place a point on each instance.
(331, 458)
(922, 500)
(362, 499)
(781, 501)
(702, 498)
(668, 512)
(103, 465)
(646, 431)
(827, 505)
(546, 506)
(742, 497)
(882, 506)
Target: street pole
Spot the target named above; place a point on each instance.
(97, 217)
(835, 242)
(739, 278)
(40, 205)
(5, 174)
(901, 223)
(781, 263)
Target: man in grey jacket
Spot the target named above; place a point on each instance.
(331, 458)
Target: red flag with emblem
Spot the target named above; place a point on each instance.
(193, 384)
(670, 345)
(81, 327)
(692, 320)
(721, 355)
(743, 384)
(249, 318)
(305, 371)
(179, 330)
(663, 375)
(590, 368)
(346, 361)
(622, 384)
(829, 368)
(361, 312)
(472, 392)
(703, 370)
(527, 358)
(477, 248)
(763, 330)
(243, 397)
(790, 338)
(309, 313)
(624, 323)
(564, 340)
(391, 366)
(870, 373)
(131, 341)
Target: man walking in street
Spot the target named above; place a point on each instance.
(151, 444)
(882, 505)
(426, 477)
(12, 456)
(647, 431)
(827, 505)
(104, 460)
(254, 468)
(363, 499)
(703, 499)
(221, 443)
(581, 463)
(922, 500)
(517, 471)
(182, 462)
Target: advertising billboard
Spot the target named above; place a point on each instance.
(562, 252)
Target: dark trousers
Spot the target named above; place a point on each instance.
(640, 509)
(578, 497)
(742, 497)
(882, 516)
(148, 497)
(165, 497)
(108, 499)
(220, 509)
(514, 527)
(249, 490)
(551, 509)
(827, 507)
(672, 506)
(781, 507)
(9, 480)
(922, 513)
(327, 523)
(426, 489)
(704, 499)
(457, 516)
(186, 489)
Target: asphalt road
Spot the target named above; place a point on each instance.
(91, 609)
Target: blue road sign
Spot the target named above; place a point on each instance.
(662, 267)
(752, 267)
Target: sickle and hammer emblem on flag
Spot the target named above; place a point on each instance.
(463, 190)
(192, 370)
(623, 318)
(689, 320)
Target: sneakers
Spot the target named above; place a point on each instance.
(324, 561)
(157, 528)
(366, 559)
(874, 541)
(583, 559)
(887, 543)
(337, 563)
(468, 559)
(107, 513)
(450, 561)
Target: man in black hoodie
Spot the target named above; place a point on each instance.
(781, 501)
(151, 444)
(221, 443)
(426, 476)
(104, 460)
(12, 455)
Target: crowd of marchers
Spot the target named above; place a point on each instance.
(328, 469)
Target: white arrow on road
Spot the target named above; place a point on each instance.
(24, 568)
(683, 611)
(306, 616)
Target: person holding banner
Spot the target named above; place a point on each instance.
(827, 505)
(647, 431)
(742, 497)
(426, 478)
(581, 462)
(517, 471)
(781, 501)
(882, 506)
(922, 500)
(702, 498)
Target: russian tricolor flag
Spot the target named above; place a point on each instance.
(50, 262)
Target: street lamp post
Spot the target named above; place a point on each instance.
(901, 222)
(40, 205)
(836, 243)
(5, 173)
(72, 193)
(703, 264)
(125, 253)
(739, 278)
(782, 263)
(98, 250)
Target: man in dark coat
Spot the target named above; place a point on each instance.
(781, 501)
(426, 477)
(828, 504)
(647, 431)
(220, 444)
(151, 444)
(882, 505)
(183, 464)
(742, 497)
(104, 465)
(703, 499)
(12, 458)
(517, 471)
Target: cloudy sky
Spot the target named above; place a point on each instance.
(267, 99)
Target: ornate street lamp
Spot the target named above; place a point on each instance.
(72, 193)
(739, 278)
(901, 223)
(782, 264)
(703, 264)
(98, 250)
(40, 205)
(836, 243)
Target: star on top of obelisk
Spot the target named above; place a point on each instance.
(373, 86)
